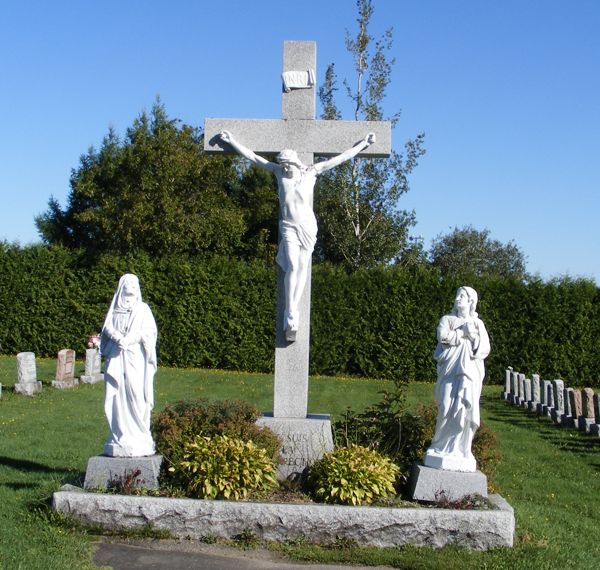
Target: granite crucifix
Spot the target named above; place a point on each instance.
(301, 137)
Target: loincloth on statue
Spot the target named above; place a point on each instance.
(302, 235)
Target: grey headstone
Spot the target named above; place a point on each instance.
(558, 389)
(93, 367)
(535, 388)
(527, 384)
(102, 471)
(304, 441)
(514, 383)
(567, 418)
(549, 399)
(521, 388)
(27, 382)
(507, 376)
(428, 484)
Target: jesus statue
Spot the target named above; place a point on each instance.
(297, 222)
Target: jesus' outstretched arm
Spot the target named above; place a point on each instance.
(244, 151)
(346, 155)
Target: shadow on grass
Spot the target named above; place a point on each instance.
(25, 465)
(566, 439)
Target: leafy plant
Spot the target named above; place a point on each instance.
(353, 475)
(221, 467)
(125, 484)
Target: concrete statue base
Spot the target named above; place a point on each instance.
(102, 471)
(428, 484)
(305, 440)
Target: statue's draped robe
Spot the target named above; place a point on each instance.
(460, 369)
(129, 378)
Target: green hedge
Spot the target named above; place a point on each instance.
(220, 312)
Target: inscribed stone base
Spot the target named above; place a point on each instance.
(428, 484)
(547, 410)
(584, 424)
(65, 384)
(595, 429)
(532, 406)
(102, 471)
(304, 441)
(92, 378)
(28, 388)
(540, 409)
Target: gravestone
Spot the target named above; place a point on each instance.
(527, 398)
(521, 389)
(595, 428)
(93, 367)
(535, 392)
(507, 375)
(576, 411)
(543, 396)
(27, 382)
(65, 370)
(549, 406)
(588, 415)
(558, 389)
(514, 387)
(305, 437)
(567, 418)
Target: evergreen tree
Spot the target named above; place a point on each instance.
(466, 251)
(155, 191)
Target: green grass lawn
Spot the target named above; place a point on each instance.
(549, 475)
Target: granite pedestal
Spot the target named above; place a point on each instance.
(429, 484)
(103, 471)
(305, 440)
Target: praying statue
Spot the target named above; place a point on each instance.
(297, 222)
(128, 343)
(463, 344)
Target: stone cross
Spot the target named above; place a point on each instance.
(298, 130)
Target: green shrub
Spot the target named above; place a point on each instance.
(182, 422)
(405, 435)
(221, 467)
(353, 475)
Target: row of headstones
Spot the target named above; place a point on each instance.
(569, 407)
(28, 384)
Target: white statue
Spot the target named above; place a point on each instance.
(128, 343)
(297, 222)
(463, 343)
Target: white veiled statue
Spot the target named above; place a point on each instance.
(463, 343)
(128, 343)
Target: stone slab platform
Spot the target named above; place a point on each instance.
(321, 524)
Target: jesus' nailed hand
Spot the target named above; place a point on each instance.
(297, 222)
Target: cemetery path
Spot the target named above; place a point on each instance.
(139, 554)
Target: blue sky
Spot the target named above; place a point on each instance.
(507, 93)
